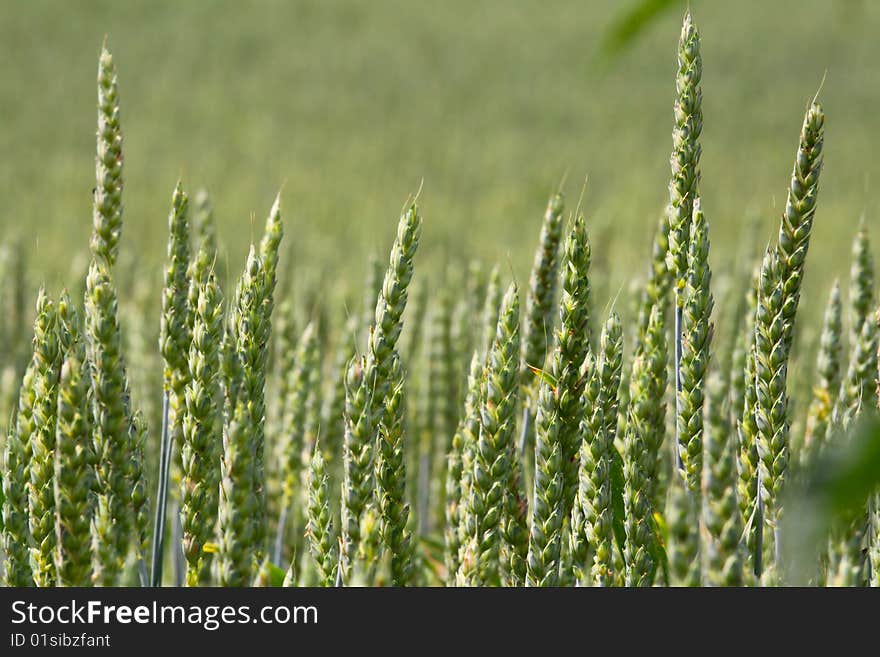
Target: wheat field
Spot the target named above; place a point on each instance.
(646, 385)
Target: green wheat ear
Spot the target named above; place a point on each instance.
(685, 160)
(828, 368)
(862, 283)
(204, 227)
(495, 447)
(107, 207)
(542, 290)
(319, 528)
(797, 219)
(110, 425)
(597, 431)
(723, 548)
(74, 475)
(391, 482)
(202, 424)
(15, 533)
(465, 569)
(539, 319)
(459, 473)
(236, 541)
(293, 425)
(559, 413)
(644, 432)
(696, 340)
(369, 382)
(41, 495)
(771, 418)
(683, 548)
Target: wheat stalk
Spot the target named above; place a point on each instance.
(107, 207)
(319, 528)
(828, 366)
(201, 429)
(391, 482)
(559, 413)
(110, 425)
(723, 547)
(48, 351)
(495, 446)
(696, 340)
(683, 548)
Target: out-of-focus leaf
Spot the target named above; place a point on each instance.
(626, 28)
(833, 490)
(276, 575)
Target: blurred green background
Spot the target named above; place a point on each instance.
(488, 105)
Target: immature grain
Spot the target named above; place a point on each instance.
(332, 417)
(16, 532)
(452, 511)
(559, 412)
(542, 290)
(438, 423)
(741, 341)
(610, 370)
(650, 385)
(495, 445)
(174, 338)
(204, 227)
(375, 376)
(372, 291)
(828, 368)
(74, 475)
(573, 344)
(107, 206)
(139, 498)
(236, 541)
(357, 484)
(491, 307)
(771, 371)
(598, 429)
(723, 548)
(686, 151)
(48, 352)
(391, 482)
(861, 286)
(656, 290)
(250, 356)
(293, 426)
(696, 339)
(538, 325)
(319, 528)
(110, 425)
(797, 219)
(202, 427)
(644, 429)
(683, 519)
(390, 306)
(588, 501)
(469, 429)
(516, 526)
(859, 385)
(747, 429)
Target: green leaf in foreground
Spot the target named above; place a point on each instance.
(834, 489)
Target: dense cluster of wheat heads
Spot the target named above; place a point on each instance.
(459, 431)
